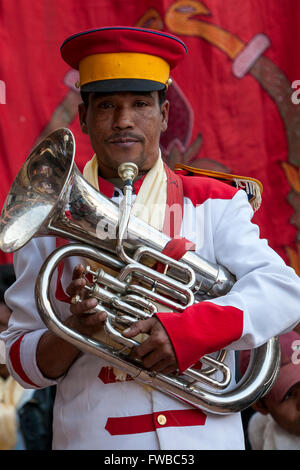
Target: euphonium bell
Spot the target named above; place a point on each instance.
(50, 197)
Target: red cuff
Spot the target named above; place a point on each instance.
(15, 359)
(201, 329)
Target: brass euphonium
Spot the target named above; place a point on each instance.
(50, 197)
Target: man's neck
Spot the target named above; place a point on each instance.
(118, 182)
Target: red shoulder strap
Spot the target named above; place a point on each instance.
(174, 205)
(178, 245)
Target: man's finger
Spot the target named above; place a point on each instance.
(75, 286)
(93, 319)
(164, 367)
(78, 271)
(141, 326)
(84, 306)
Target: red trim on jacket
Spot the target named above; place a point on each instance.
(175, 249)
(200, 188)
(106, 187)
(208, 327)
(60, 293)
(138, 183)
(150, 422)
(174, 204)
(15, 359)
(107, 376)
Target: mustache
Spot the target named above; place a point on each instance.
(116, 136)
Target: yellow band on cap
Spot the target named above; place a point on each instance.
(116, 65)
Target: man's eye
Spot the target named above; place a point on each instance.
(287, 396)
(140, 104)
(104, 105)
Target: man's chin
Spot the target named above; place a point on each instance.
(113, 162)
(131, 159)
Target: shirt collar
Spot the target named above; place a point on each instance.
(107, 188)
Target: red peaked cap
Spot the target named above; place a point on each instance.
(121, 39)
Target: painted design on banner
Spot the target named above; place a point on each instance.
(187, 18)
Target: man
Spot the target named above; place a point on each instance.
(123, 75)
(276, 424)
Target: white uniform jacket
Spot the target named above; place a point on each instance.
(93, 410)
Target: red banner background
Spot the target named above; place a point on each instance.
(232, 98)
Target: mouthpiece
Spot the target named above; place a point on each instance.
(128, 171)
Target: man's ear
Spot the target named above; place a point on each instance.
(165, 115)
(82, 117)
(261, 407)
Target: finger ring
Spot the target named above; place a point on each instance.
(75, 299)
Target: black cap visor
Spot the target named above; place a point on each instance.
(122, 84)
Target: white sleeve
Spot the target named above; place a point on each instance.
(2, 352)
(267, 291)
(25, 325)
(264, 301)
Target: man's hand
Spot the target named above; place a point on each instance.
(156, 352)
(83, 319)
(54, 354)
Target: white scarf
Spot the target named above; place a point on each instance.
(150, 202)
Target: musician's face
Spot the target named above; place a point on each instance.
(124, 127)
(286, 412)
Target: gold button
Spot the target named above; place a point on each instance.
(161, 419)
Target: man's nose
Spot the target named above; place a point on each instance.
(123, 118)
